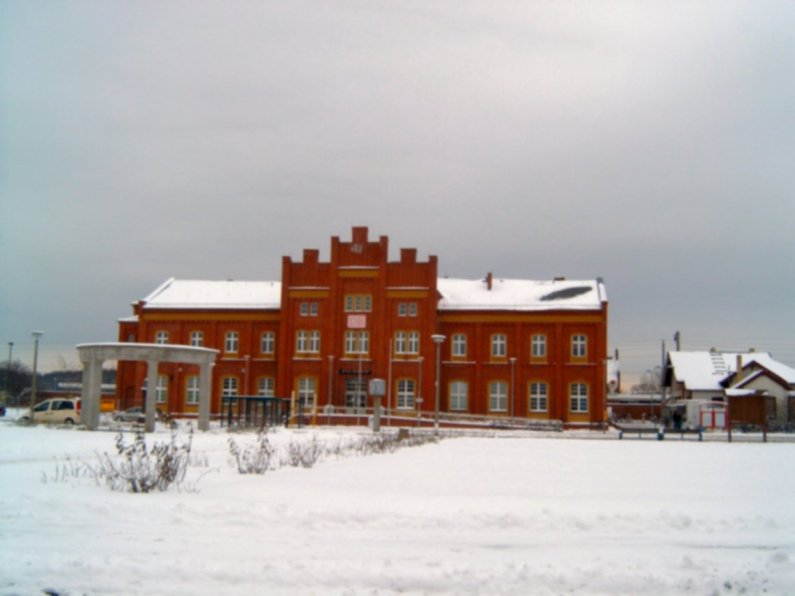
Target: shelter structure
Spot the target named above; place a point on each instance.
(94, 355)
(504, 350)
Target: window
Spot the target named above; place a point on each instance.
(459, 391)
(539, 393)
(357, 342)
(192, 391)
(308, 309)
(578, 397)
(196, 339)
(354, 393)
(499, 345)
(414, 342)
(314, 341)
(229, 387)
(498, 396)
(231, 342)
(161, 389)
(161, 337)
(405, 394)
(358, 303)
(400, 342)
(265, 387)
(538, 346)
(407, 309)
(267, 342)
(579, 346)
(302, 341)
(459, 345)
(307, 389)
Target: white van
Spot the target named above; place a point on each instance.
(55, 411)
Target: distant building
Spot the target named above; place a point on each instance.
(512, 348)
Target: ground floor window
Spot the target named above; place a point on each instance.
(229, 387)
(498, 396)
(354, 393)
(192, 391)
(578, 397)
(265, 387)
(405, 394)
(307, 391)
(161, 390)
(459, 392)
(539, 397)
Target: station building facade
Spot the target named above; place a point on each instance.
(507, 348)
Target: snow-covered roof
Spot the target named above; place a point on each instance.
(185, 293)
(704, 371)
(777, 368)
(520, 294)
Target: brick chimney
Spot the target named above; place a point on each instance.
(488, 280)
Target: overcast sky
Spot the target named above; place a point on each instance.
(649, 143)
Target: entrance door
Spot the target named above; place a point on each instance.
(354, 394)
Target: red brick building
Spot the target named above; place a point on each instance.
(511, 348)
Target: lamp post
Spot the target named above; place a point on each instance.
(36, 335)
(8, 371)
(437, 339)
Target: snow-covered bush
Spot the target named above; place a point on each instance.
(137, 468)
(253, 459)
(304, 454)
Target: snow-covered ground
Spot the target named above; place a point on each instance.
(477, 515)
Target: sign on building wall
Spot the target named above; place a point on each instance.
(357, 321)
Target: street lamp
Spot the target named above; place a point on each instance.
(36, 335)
(8, 371)
(437, 339)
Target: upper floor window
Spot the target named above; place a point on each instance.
(579, 346)
(499, 345)
(267, 342)
(196, 339)
(578, 397)
(498, 396)
(407, 309)
(357, 342)
(231, 341)
(308, 309)
(358, 303)
(539, 396)
(538, 346)
(407, 342)
(459, 345)
(459, 393)
(161, 337)
(161, 389)
(307, 341)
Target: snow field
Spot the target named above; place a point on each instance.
(464, 516)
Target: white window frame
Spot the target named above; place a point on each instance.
(197, 339)
(413, 346)
(267, 342)
(400, 342)
(459, 345)
(499, 345)
(579, 346)
(230, 386)
(498, 396)
(458, 396)
(578, 398)
(538, 392)
(266, 387)
(538, 346)
(302, 341)
(161, 389)
(405, 394)
(161, 337)
(357, 342)
(307, 390)
(314, 341)
(231, 342)
(192, 389)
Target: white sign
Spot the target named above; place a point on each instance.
(377, 387)
(357, 321)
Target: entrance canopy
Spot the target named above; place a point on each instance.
(93, 355)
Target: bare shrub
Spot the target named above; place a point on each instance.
(304, 454)
(254, 459)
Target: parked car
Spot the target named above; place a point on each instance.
(56, 411)
(135, 414)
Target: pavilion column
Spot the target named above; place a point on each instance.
(205, 395)
(91, 392)
(151, 394)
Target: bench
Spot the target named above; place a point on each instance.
(641, 428)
